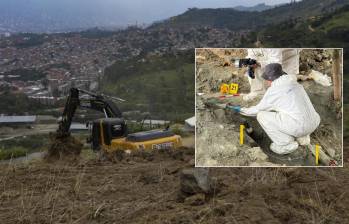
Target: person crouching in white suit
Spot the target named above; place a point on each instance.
(285, 112)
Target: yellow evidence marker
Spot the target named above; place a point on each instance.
(224, 88)
(242, 127)
(233, 88)
(317, 154)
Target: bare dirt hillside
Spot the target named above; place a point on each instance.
(145, 189)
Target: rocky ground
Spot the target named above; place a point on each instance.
(218, 143)
(218, 138)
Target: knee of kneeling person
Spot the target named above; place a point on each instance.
(261, 116)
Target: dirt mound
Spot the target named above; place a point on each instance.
(319, 60)
(66, 148)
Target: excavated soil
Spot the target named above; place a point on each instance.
(315, 59)
(143, 190)
(63, 148)
(218, 139)
(217, 135)
(214, 67)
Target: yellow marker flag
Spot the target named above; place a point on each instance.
(242, 134)
(317, 154)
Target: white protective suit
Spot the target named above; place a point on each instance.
(285, 113)
(288, 58)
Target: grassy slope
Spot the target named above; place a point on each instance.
(20, 146)
(298, 33)
(337, 21)
(303, 9)
(163, 86)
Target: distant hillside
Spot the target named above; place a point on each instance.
(160, 85)
(330, 30)
(301, 10)
(241, 20)
(258, 8)
(219, 18)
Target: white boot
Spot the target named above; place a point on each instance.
(284, 149)
(304, 140)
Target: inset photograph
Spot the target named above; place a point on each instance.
(269, 107)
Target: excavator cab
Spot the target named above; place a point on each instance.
(104, 130)
(110, 133)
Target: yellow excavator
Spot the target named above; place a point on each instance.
(110, 133)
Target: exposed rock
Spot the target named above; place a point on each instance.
(219, 114)
(264, 164)
(330, 151)
(211, 162)
(256, 154)
(196, 180)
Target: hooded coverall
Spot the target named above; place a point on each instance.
(285, 113)
(288, 58)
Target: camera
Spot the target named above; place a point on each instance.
(246, 62)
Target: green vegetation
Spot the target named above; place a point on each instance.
(18, 103)
(336, 20)
(12, 153)
(227, 18)
(178, 130)
(161, 85)
(330, 30)
(32, 143)
(21, 146)
(326, 31)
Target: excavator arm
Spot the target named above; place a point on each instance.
(88, 100)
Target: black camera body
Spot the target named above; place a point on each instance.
(247, 62)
